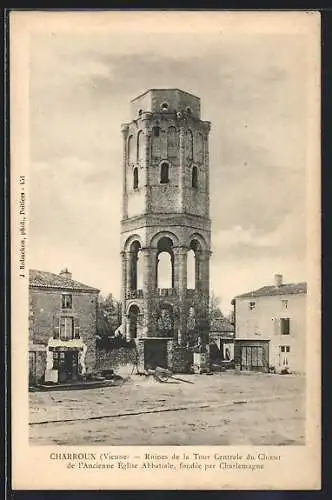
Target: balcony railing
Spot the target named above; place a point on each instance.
(134, 294)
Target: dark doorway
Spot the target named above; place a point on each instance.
(67, 365)
(155, 354)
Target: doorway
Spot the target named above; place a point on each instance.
(252, 358)
(155, 354)
(67, 364)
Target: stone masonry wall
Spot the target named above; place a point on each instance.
(46, 306)
(116, 358)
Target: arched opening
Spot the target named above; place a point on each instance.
(172, 142)
(199, 148)
(135, 272)
(156, 143)
(140, 145)
(164, 270)
(194, 178)
(193, 265)
(165, 320)
(165, 264)
(191, 277)
(135, 178)
(189, 145)
(133, 315)
(131, 152)
(164, 173)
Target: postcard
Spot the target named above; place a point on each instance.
(165, 259)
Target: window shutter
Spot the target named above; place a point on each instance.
(276, 326)
(56, 327)
(77, 328)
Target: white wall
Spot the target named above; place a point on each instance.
(263, 322)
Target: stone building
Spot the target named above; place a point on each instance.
(62, 327)
(165, 217)
(270, 327)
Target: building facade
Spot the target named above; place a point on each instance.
(165, 218)
(222, 335)
(270, 328)
(62, 327)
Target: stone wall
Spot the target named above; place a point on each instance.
(37, 364)
(115, 359)
(182, 359)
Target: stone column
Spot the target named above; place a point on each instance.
(125, 131)
(127, 330)
(204, 295)
(180, 262)
(206, 160)
(204, 265)
(149, 286)
(182, 170)
(124, 264)
(163, 142)
(145, 165)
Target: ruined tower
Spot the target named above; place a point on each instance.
(165, 217)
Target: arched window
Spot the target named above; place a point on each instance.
(156, 143)
(189, 145)
(172, 142)
(191, 278)
(135, 178)
(131, 152)
(194, 177)
(164, 173)
(133, 314)
(134, 267)
(193, 265)
(156, 131)
(140, 145)
(164, 275)
(199, 148)
(165, 264)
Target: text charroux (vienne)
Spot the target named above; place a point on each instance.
(199, 462)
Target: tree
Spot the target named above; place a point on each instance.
(109, 316)
(214, 309)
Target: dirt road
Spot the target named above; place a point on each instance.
(221, 409)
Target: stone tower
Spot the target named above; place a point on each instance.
(165, 213)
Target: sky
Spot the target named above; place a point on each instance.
(253, 90)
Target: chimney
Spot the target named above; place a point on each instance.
(65, 274)
(278, 280)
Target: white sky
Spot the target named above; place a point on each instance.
(253, 90)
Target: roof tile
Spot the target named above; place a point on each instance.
(286, 289)
(45, 279)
